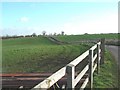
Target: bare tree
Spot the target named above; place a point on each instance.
(44, 33)
(62, 32)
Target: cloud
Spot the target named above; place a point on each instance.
(24, 19)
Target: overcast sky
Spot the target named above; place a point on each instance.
(22, 18)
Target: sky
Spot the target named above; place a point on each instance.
(25, 18)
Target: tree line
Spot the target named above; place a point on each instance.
(32, 35)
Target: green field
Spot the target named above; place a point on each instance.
(37, 54)
(40, 54)
(72, 38)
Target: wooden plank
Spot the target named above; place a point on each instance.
(80, 58)
(82, 73)
(94, 68)
(102, 50)
(94, 58)
(90, 68)
(84, 84)
(99, 50)
(70, 70)
(99, 43)
(98, 58)
(47, 83)
(93, 47)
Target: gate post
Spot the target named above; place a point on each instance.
(70, 70)
(102, 50)
(90, 68)
(98, 58)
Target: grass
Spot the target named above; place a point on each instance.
(27, 41)
(111, 39)
(108, 76)
(71, 38)
(37, 54)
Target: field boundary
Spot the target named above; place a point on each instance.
(51, 38)
(95, 57)
(54, 39)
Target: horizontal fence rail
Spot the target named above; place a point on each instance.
(95, 57)
(47, 83)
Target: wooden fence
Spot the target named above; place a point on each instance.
(95, 57)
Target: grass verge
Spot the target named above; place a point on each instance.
(108, 76)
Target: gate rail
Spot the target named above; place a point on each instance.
(96, 57)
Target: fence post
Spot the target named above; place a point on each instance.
(90, 68)
(70, 70)
(98, 58)
(102, 50)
